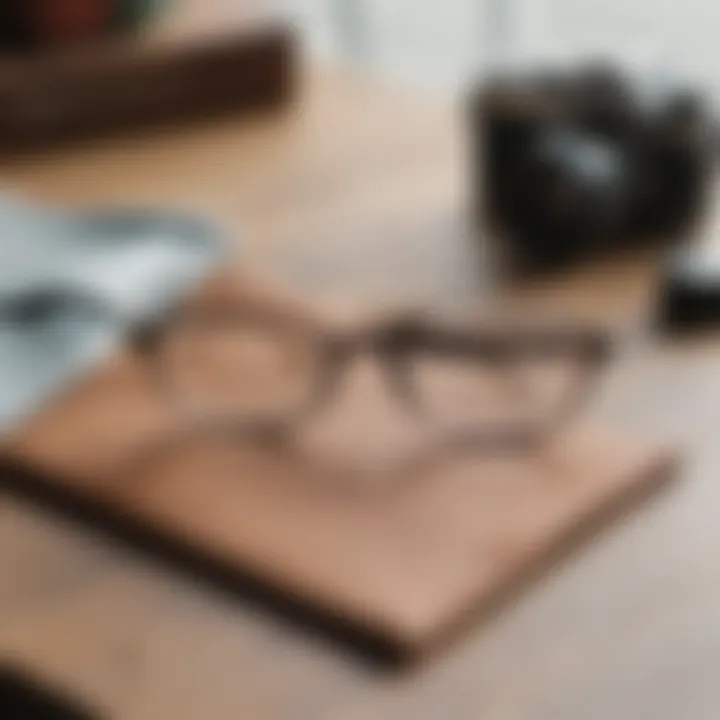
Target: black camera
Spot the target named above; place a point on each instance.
(572, 163)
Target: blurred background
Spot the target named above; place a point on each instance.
(442, 46)
(365, 152)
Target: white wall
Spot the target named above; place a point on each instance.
(438, 44)
(679, 34)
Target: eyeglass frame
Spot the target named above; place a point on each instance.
(392, 342)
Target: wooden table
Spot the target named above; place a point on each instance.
(359, 194)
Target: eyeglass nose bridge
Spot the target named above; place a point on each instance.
(385, 347)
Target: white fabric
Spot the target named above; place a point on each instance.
(108, 270)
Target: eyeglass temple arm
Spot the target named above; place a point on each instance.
(591, 345)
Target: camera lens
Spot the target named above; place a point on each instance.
(573, 191)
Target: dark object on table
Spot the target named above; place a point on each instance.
(132, 13)
(37, 24)
(690, 290)
(14, 28)
(23, 698)
(179, 71)
(580, 162)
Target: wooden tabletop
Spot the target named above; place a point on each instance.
(359, 194)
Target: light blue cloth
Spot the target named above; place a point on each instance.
(72, 285)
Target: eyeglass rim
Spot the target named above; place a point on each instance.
(395, 339)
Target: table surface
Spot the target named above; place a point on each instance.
(359, 194)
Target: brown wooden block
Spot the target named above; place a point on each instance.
(402, 552)
(205, 58)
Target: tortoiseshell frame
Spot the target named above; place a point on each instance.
(394, 343)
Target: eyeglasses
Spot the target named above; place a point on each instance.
(262, 372)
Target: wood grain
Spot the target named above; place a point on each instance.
(402, 550)
(624, 629)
